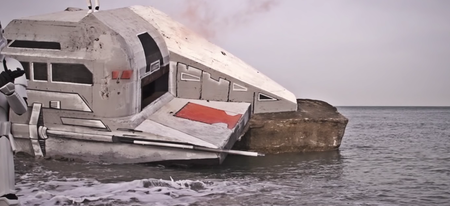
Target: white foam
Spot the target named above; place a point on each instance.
(44, 187)
(75, 191)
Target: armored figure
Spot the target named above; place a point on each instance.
(97, 6)
(13, 95)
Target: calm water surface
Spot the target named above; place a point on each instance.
(389, 156)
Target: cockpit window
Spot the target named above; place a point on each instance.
(151, 51)
(40, 71)
(36, 44)
(73, 73)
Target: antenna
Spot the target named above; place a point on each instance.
(96, 8)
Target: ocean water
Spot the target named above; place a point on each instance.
(389, 156)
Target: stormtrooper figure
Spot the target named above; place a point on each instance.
(97, 6)
(13, 96)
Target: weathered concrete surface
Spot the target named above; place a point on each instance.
(316, 126)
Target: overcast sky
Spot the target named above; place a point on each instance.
(345, 52)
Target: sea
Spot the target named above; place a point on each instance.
(388, 156)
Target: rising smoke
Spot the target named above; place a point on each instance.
(204, 16)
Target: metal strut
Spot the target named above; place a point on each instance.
(141, 141)
(182, 146)
(33, 128)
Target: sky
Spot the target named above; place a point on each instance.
(344, 52)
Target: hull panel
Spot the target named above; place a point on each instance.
(206, 130)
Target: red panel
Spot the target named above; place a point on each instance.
(126, 74)
(208, 115)
(115, 74)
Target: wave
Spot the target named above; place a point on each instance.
(76, 191)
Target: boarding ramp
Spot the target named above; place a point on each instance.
(209, 124)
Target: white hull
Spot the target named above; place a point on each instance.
(162, 137)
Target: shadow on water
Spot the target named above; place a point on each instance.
(281, 160)
(232, 166)
(275, 166)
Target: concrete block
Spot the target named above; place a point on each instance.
(316, 126)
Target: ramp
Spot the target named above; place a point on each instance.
(204, 123)
(182, 130)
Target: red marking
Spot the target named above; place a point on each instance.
(126, 74)
(115, 74)
(208, 115)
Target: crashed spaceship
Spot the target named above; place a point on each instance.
(132, 85)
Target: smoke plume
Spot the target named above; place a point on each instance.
(204, 17)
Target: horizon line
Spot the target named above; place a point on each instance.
(388, 106)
